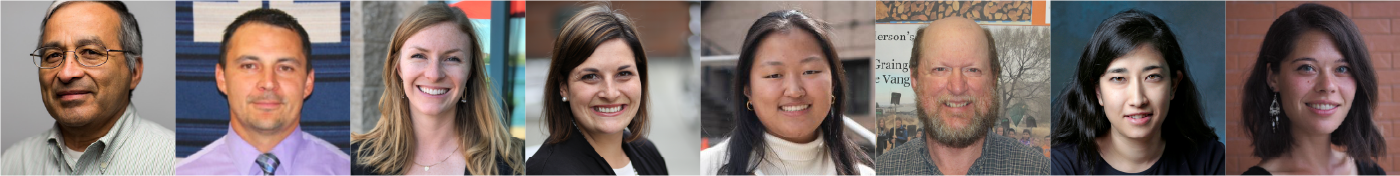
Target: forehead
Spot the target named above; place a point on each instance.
(77, 19)
(1315, 44)
(610, 52)
(1141, 56)
(264, 40)
(440, 36)
(789, 47)
(954, 45)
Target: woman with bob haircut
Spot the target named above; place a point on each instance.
(1308, 103)
(789, 112)
(438, 115)
(1132, 107)
(596, 100)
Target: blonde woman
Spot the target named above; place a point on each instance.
(438, 116)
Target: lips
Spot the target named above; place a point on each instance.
(70, 95)
(1140, 118)
(1323, 107)
(608, 110)
(432, 91)
(957, 104)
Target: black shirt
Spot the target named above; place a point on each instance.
(574, 156)
(1362, 168)
(1207, 158)
(502, 168)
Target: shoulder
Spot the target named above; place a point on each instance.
(320, 148)
(865, 170)
(209, 160)
(1014, 157)
(546, 160)
(711, 159)
(1369, 168)
(1065, 159)
(652, 161)
(17, 159)
(355, 167)
(1256, 170)
(148, 129)
(906, 159)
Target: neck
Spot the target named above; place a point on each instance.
(609, 146)
(264, 140)
(77, 138)
(954, 161)
(1313, 153)
(1129, 154)
(434, 133)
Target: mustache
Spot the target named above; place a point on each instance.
(268, 96)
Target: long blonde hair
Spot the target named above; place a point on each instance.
(388, 147)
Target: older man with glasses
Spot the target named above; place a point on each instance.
(89, 62)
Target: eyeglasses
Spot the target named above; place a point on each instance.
(89, 56)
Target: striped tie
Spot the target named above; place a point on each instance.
(269, 163)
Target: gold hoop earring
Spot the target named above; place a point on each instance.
(749, 105)
(833, 99)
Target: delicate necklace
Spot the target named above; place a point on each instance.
(427, 167)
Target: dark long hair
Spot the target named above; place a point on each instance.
(746, 142)
(1081, 118)
(577, 40)
(1357, 133)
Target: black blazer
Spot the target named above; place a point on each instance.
(502, 168)
(574, 156)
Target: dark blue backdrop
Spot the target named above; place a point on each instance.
(1199, 28)
(202, 112)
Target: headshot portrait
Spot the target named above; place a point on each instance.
(1312, 96)
(265, 93)
(75, 102)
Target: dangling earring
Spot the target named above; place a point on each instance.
(1274, 111)
(464, 100)
(749, 105)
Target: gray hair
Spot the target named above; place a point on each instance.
(130, 36)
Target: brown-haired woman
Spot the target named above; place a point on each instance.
(1308, 102)
(596, 101)
(438, 116)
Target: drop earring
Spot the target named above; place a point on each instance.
(1274, 111)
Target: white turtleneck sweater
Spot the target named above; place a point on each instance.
(781, 158)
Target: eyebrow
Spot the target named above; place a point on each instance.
(1117, 70)
(624, 67)
(256, 58)
(86, 40)
(1151, 67)
(804, 60)
(421, 49)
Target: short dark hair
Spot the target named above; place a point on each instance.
(578, 39)
(1357, 133)
(746, 141)
(1080, 117)
(272, 17)
(995, 62)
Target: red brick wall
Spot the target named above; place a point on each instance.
(1246, 24)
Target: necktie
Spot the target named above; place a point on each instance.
(269, 163)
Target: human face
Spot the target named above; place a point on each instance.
(1136, 92)
(1314, 84)
(954, 86)
(434, 65)
(605, 91)
(77, 95)
(266, 78)
(790, 85)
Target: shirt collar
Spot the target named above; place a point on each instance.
(99, 147)
(245, 155)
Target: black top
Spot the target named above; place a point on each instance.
(1207, 158)
(502, 168)
(1362, 168)
(574, 156)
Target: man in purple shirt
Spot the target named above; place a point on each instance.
(265, 72)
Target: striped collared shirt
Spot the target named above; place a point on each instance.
(134, 146)
(1000, 156)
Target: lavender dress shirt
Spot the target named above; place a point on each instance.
(300, 154)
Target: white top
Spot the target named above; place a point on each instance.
(626, 170)
(71, 156)
(781, 158)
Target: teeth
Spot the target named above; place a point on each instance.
(432, 91)
(795, 108)
(1322, 106)
(951, 104)
(608, 110)
(1139, 116)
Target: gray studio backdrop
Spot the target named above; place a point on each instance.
(23, 112)
(1197, 26)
